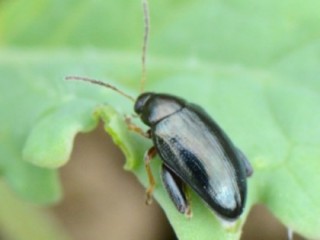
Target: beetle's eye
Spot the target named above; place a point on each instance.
(141, 102)
(138, 107)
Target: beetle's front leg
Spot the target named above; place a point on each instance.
(135, 128)
(150, 154)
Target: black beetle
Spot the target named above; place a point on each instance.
(194, 149)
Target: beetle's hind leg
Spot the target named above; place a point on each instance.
(148, 156)
(177, 191)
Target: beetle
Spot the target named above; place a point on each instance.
(195, 151)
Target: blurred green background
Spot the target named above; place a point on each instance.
(42, 41)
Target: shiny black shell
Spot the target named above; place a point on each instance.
(195, 148)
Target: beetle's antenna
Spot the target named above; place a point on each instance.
(107, 85)
(146, 19)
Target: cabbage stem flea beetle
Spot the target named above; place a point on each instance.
(195, 151)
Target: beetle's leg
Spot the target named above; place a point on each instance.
(176, 189)
(150, 154)
(135, 128)
(187, 192)
(246, 163)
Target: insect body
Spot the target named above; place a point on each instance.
(195, 151)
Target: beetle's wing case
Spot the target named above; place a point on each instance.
(193, 146)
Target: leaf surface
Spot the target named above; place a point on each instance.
(252, 65)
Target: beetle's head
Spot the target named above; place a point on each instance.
(141, 102)
(152, 107)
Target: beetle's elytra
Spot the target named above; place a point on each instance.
(195, 151)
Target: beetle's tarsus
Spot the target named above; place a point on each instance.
(149, 198)
(188, 213)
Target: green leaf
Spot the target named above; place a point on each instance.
(55, 130)
(252, 65)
